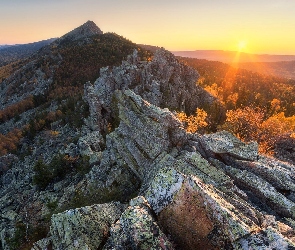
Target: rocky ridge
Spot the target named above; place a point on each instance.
(156, 186)
(163, 82)
(54, 75)
(10, 53)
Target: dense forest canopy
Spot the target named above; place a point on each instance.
(239, 88)
(259, 107)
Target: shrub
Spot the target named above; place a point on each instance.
(245, 123)
(193, 123)
(58, 168)
(250, 124)
(26, 235)
(10, 141)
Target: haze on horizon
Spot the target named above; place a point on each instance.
(264, 26)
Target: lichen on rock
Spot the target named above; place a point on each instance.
(157, 186)
(137, 229)
(84, 228)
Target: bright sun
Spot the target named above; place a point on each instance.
(242, 45)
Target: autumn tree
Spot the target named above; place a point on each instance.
(231, 101)
(245, 123)
(215, 91)
(250, 124)
(16, 109)
(272, 128)
(10, 141)
(194, 123)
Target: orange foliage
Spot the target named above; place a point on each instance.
(255, 89)
(274, 126)
(16, 109)
(232, 99)
(244, 122)
(249, 124)
(275, 106)
(215, 91)
(10, 141)
(193, 123)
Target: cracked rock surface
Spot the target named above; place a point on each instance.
(177, 190)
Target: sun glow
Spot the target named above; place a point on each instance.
(242, 45)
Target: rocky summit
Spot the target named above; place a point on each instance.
(85, 30)
(150, 184)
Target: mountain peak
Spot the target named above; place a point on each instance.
(85, 30)
(89, 27)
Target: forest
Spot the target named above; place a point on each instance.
(259, 107)
(281, 68)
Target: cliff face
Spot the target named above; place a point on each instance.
(152, 185)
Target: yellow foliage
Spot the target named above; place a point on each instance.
(54, 133)
(275, 106)
(215, 91)
(109, 127)
(232, 99)
(249, 124)
(193, 123)
(277, 125)
(244, 123)
(274, 126)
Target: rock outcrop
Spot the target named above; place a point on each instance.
(137, 229)
(201, 191)
(209, 192)
(169, 189)
(163, 82)
(285, 148)
(83, 228)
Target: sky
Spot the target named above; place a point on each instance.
(253, 26)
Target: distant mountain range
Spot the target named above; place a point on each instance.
(233, 56)
(276, 65)
(10, 53)
(284, 69)
(5, 46)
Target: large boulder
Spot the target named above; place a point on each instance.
(137, 228)
(225, 143)
(82, 228)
